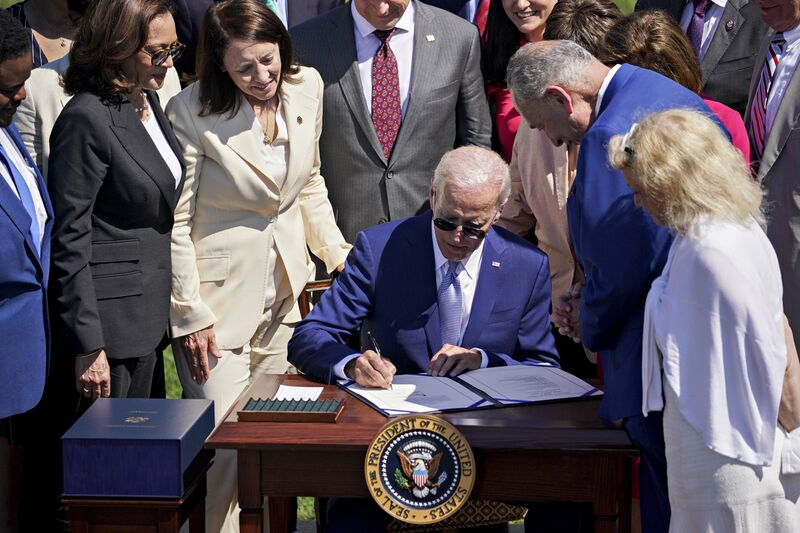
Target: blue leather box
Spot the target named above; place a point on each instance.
(130, 447)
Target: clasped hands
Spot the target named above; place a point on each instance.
(373, 371)
(565, 313)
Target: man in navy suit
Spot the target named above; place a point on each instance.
(396, 270)
(442, 293)
(25, 222)
(561, 89)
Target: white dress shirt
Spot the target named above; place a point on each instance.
(710, 22)
(283, 11)
(467, 278)
(401, 43)
(783, 76)
(163, 147)
(603, 87)
(28, 174)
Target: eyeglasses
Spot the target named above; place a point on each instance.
(470, 231)
(158, 57)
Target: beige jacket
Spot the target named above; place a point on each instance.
(230, 211)
(44, 100)
(540, 181)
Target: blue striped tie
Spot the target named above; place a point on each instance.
(758, 109)
(450, 305)
(25, 196)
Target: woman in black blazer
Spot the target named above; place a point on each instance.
(115, 173)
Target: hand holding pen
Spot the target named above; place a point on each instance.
(370, 369)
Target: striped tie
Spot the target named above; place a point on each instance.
(758, 110)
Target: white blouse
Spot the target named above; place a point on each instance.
(163, 147)
(715, 316)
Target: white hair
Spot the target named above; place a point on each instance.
(535, 66)
(470, 166)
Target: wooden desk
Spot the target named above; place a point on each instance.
(157, 515)
(549, 452)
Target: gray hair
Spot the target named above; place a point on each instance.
(470, 166)
(535, 66)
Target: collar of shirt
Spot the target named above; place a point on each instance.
(792, 36)
(603, 87)
(365, 29)
(470, 264)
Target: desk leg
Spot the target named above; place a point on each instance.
(251, 517)
(605, 500)
(279, 509)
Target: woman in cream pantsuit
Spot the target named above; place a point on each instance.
(252, 204)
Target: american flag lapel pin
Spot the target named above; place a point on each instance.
(496, 264)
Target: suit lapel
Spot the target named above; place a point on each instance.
(723, 37)
(759, 64)
(786, 119)
(342, 54)
(12, 205)
(487, 290)
(299, 111)
(137, 142)
(235, 132)
(424, 59)
(166, 127)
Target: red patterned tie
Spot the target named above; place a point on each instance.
(386, 115)
(758, 109)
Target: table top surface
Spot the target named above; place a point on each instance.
(559, 426)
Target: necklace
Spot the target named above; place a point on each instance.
(145, 109)
(271, 110)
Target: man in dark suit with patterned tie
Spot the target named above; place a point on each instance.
(402, 86)
(25, 222)
(726, 35)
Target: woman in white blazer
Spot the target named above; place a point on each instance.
(253, 203)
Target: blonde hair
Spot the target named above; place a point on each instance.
(680, 160)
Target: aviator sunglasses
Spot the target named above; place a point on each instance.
(470, 231)
(158, 57)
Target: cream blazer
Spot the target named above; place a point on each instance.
(231, 209)
(44, 100)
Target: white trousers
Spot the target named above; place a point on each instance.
(229, 376)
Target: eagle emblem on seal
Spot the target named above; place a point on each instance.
(420, 464)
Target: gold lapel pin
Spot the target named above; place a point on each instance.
(430, 38)
(496, 264)
(299, 120)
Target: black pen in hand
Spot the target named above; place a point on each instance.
(377, 350)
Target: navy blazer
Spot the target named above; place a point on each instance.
(619, 246)
(24, 324)
(388, 287)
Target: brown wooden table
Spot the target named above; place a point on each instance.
(548, 452)
(143, 515)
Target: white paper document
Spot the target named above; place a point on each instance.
(487, 387)
(418, 393)
(287, 392)
(511, 385)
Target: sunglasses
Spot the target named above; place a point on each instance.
(158, 57)
(470, 231)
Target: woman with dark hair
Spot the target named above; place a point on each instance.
(115, 175)
(252, 204)
(510, 24)
(653, 40)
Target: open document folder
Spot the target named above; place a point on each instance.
(487, 387)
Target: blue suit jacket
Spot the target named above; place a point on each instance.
(24, 325)
(618, 244)
(389, 288)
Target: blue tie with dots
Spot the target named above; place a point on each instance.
(450, 304)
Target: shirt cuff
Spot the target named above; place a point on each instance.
(338, 369)
(484, 357)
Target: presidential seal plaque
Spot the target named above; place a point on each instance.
(420, 469)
